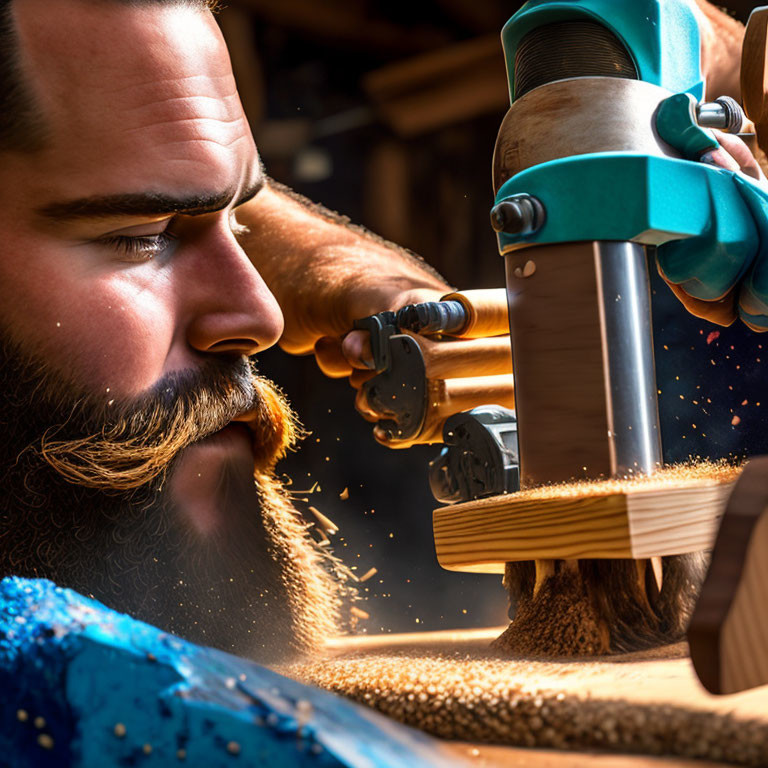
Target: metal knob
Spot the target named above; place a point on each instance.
(518, 215)
(724, 113)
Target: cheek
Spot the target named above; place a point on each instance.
(111, 330)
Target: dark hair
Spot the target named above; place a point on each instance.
(21, 126)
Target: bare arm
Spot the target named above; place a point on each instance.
(721, 40)
(324, 272)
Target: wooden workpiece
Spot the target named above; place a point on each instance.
(451, 396)
(754, 74)
(673, 512)
(728, 633)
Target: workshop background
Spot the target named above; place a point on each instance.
(386, 112)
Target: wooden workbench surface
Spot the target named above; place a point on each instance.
(450, 684)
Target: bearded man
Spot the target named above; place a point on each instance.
(146, 258)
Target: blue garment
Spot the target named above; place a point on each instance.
(82, 686)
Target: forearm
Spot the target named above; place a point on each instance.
(721, 41)
(323, 271)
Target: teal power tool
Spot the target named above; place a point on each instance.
(596, 169)
(596, 166)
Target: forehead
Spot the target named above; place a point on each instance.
(128, 89)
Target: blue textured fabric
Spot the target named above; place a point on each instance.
(82, 686)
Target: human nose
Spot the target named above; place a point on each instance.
(234, 310)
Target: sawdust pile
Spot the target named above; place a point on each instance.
(595, 607)
(600, 607)
(533, 704)
(561, 620)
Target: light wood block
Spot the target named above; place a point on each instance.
(728, 633)
(663, 515)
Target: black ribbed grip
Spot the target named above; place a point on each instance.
(433, 317)
(569, 49)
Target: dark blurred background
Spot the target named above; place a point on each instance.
(386, 112)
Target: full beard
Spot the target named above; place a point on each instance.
(89, 502)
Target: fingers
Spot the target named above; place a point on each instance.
(356, 348)
(338, 358)
(720, 312)
(358, 378)
(721, 159)
(364, 409)
(330, 358)
(734, 155)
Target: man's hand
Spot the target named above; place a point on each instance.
(721, 295)
(325, 275)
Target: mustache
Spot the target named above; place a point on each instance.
(126, 445)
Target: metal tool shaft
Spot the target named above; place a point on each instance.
(628, 365)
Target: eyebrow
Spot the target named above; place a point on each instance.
(146, 204)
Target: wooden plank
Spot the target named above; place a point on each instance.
(481, 538)
(728, 633)
(452, 84)
(348, 23)
(665, 515)
(683, 519)
(754, 74)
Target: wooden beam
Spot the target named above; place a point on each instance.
(345, 22)
(480, 16)
(446, 86)
(388, 192)
(648, 518)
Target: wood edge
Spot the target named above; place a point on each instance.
(613, 505)
(502, 500)
(635, 505)
(748, 501)
(752, 49)
(490, 568)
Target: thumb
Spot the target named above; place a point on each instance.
(356, 349)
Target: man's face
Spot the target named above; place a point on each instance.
(98, 277)
(121, 279)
